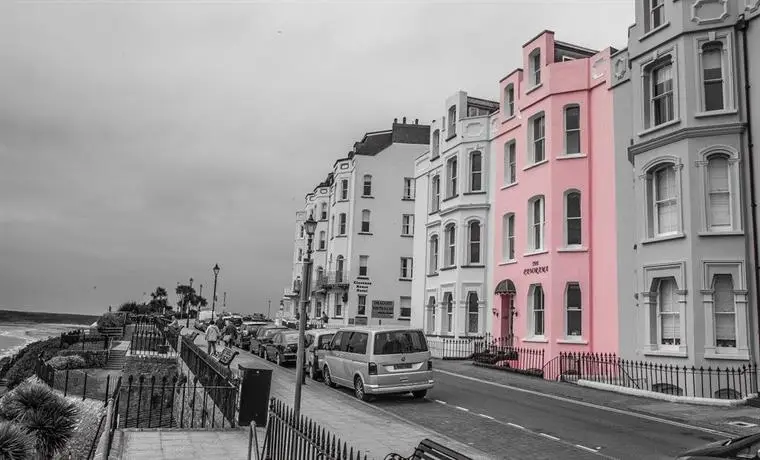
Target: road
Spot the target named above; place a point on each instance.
(507, 422)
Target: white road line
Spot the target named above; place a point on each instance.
(585, 448)
(515, 425)
(549, 436)
(462, 408)
(440, 402)
(486, 416)
(650, 418)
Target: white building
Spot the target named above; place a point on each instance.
(290, 296)
(365, 274)
(452, 278)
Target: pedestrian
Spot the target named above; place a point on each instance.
(324, 319)
(212, 335)
(228, 335)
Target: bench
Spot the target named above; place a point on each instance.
(430, 450)
(227, 355)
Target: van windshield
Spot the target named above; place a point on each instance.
(393, 342)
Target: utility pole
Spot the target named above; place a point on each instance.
(310, 226)
(269, 308)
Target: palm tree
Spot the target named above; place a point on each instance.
(15, 442)
(50, 418)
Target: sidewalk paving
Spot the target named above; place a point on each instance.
(710, 417)
(176, 444)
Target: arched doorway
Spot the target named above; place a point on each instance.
(507, 293)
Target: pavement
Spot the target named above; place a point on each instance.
(171, 444)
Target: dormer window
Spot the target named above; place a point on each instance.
(509, 100)
(535, 67)
(452, 121)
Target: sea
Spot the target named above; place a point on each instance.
(15, 336)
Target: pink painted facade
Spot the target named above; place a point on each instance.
(560, 281)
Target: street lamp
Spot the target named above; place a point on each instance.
(213, 301)
(187, 313)
(310, 226)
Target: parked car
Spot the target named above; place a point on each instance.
(283, 348)
(316, 342)
(375, 360)
(262, 337)
(247, 330)
(735, 448)
(236, 320)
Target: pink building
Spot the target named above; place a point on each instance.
(554, 211)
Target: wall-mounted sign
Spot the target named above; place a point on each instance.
(536, 269)
(362, 286)
(382, 309)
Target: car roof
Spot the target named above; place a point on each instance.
(255, 323)
(371, 329)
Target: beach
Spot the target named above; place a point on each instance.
(14, 336)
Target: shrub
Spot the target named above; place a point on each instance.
(15, 442)
(67, 362)
(91, 358)
(26, 360)
(111, 320)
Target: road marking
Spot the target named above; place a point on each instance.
(585, 448)
(462, 408)
(550, 436)
(440, 402)
(650, 418)
(486, 416)
(515, 425)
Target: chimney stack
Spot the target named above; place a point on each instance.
(404, 120)
(395, 120)
(416, 121)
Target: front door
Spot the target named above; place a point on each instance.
(507, 316)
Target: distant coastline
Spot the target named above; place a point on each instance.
(15, 316)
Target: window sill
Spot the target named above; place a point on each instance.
(435, 157)
(533, 88)
(508, 119)
(731, 233)
(406, 236)
(404, 279)
(508, 262)
(362, 277)
(653, 31)
(570, 156)
(535, 253)
(451, 136)
(536, 339)
(715, 113)
(474, 266)
(504, 187)
(450, 198)
(340, 236)
(450, 267)
(337, 317)
(573, 249)
(343, 200)
(658, 239)
(569, 341)
(321, 249)
(403, 318)
(430, 275)
(367, 196)
(406, 198)
(362, 315)
(481, 192)
(434, 212)
(733, 356)
(535, 165)
(667, 353)
(365, 233)
(653, 129)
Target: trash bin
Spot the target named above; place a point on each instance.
(254, 395)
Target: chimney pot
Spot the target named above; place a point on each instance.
(395, 120)
(416, 121)
(404, 120)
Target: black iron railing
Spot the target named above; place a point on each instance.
(498, 352)
(74, 382)
(150, 342)
(84, 340)
(453, 348)
(290, 437)
(112, 417)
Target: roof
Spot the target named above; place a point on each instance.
(380, 328)
(375, 142)
(576, 48)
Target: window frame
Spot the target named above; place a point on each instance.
(366, 221)
(534, 66)
(450, 245)
(435, 147)
(568, 131)
(510, 163)
(471, 244)
(533, 226)
(367, 185)
(364, 265)
(452, 124)
(569, 310)
(435, 193)
(654, 7)
(567, 218)
(648, 186)
(433, 259)
(533, 140)
(508, 237)
(322, 240)
(657, 203)
(532, 305)
(476, 173)
(342, 224)
(361, 304)
(470, 313)
(723, 40)
(674, 312)
(344, 189)
(323, 211)
(452, 176)
(407, 220)
(734, 190)
(407, 265)
(509, 100)
(401, 307)
(733, 313)
(409, 188)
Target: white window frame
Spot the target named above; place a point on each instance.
(649, 193)
(452, 126)
(409, 188)
(450, 245)
(364, 263)
(435, 147)
(407, 264)
(342, 224)
(736, 270)
(431, 306)
(649, 65)
(510, 163)
(361, 305)
(401, 306)
(579, 218)
(675, 312)
(471, 313)
(534, 140)
(448, 305)
(435, 193)
(532, 306)
(654, 7)
(734, 178)
(366, 219)
(323, 215)
(344, 189)
(367, 182)
(474, 172)
(322, 240)
(434, 248)
(470, 243)
(569, 131)
(533, 226)
(452, 166)
(407, 224)
(725, 39)
(731, 314)
(652, 274)
(534, 62)
(508, 243)
(509, 100)
(569, 310)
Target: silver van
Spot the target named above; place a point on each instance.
(375, 360)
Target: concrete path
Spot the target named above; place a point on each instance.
(169, 444)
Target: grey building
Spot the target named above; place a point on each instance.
(684, 123)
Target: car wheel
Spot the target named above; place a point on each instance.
(328, 377)
(359, 389)
(419, 394)
(278, 359)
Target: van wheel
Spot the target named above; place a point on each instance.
(328, 377)
(359, 389)
(419, 394)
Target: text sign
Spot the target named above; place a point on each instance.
(362, 286)
(382, 309)
(536, 270)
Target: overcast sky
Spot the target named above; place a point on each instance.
(143, 142)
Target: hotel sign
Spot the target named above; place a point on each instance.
(536, 268)
(362, 285)
(382, 309)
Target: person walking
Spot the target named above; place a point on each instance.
(228, 335)
(212, 335)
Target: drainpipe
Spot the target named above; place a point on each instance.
(742, 25)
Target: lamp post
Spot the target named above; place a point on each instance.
(310, 226)
(187, 316)
(213, 301)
